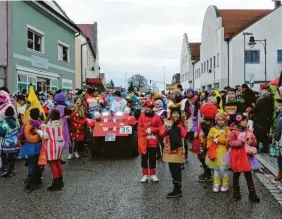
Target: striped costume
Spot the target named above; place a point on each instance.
(54, 140)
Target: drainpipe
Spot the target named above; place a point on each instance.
(81, 66)
(193, 75)
(228, 60)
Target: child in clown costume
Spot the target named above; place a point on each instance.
(78, 119)
(217, 143)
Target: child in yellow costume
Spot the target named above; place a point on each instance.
(217, 149)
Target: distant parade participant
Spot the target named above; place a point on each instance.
(149, 125)
(232, 105)
(78, 119)
(69, 100)
(119, 104)
(194, 109)
(21, 106)
(174, 150)
(92, 99)
(64, 110)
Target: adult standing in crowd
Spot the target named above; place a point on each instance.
(263, 112)
(249, 96)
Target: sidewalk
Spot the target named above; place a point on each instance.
(266, 175)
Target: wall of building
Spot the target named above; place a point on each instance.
(23, 15)
(185, 63)
(3, 34)
(213, 46)
(268, 28)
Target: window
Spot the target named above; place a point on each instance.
(202, 68)
(279, 56)
(217, 59)
(34, 40)
(252, 56)
(63, 52)
(210, 63)
(214, 62)
(24, 81)
(207, 65)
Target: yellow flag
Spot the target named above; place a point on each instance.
(34, 103)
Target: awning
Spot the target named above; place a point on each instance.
(96, 82)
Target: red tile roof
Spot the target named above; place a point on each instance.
(195, 50)
(88, 31)
(235, 21)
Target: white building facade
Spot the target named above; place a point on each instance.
(86, 64)
(223, 48)
(189, 55)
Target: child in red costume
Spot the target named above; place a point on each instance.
(149, 125)
(239, 161)
(78, 119)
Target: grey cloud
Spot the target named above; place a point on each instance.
(140, 36)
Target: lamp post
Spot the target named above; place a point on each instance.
(164, 77)
(252, 43)
(245, 34)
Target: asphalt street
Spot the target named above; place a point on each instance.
(110, 188)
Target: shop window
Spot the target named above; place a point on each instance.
(252, 56)
(63, 52)
(34, 40)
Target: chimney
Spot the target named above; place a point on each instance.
(277, 3)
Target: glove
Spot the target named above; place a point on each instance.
(215, 140)
(148, 131)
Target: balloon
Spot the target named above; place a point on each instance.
(131, 120)
(127, 110)
(97, 115)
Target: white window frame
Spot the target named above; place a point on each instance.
(38, 32)
(60, 43)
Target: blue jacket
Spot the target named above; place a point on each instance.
(9, 130)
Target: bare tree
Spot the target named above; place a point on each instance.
(153, 88)
(139, 82)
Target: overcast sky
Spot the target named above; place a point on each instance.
(140, 36)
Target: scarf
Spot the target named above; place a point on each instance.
(80, 110)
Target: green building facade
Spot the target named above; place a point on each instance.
(43, 46)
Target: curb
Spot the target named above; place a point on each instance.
(275, 188)
(267, 165)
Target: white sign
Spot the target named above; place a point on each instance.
(125, 130)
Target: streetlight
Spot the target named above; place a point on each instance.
(245, 34)
(164, 77)
(252, 43)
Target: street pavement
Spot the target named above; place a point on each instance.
(110, 188)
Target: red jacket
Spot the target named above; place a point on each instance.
(154, 123)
